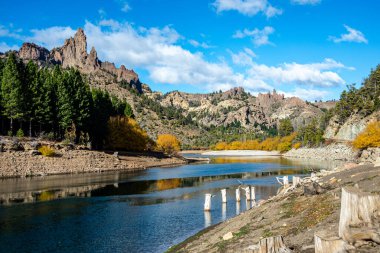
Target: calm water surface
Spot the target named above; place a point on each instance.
(119, 212)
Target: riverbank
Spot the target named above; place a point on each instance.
(296, 215)
(25, 164)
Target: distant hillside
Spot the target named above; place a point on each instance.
(197, 119)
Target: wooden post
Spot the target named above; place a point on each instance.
(224, 195)
(327, 242)
(237, 194)
(207, 206)
(247, 193)
(286, 181)
(296, 181)
(357, 213)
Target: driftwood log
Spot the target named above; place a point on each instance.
(359, 216)
(273, 244)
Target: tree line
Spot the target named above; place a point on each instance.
(363, 100)
(54, 102)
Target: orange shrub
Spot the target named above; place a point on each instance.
(168, 143)
(46, 151)
(370, 137)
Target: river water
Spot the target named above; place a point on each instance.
(142, 212)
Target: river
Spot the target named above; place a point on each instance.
(147, 211)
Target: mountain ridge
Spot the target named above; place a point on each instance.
(189, 116)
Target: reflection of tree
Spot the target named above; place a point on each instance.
(165, 184)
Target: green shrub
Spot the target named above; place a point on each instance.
(20, 133)
(46, 151)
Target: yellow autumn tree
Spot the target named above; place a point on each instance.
(221, 146)
(370, 137)
(125, 134)
(168, 143)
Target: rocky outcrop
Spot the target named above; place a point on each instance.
(73, 53)
(351, 128)
(31, 51)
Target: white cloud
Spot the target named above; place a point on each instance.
(353, 35)
(157, 51)
(195, 43)
(51, 37)
(259, 37)
(243, 58)
(126, 7)
(247, 7)
(4, 47)
(5, 32)
(306, 2)
(314, 74)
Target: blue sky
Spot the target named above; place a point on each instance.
(307, 48)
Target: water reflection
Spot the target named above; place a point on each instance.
(224, 211)
(237, 207)
(207, 219)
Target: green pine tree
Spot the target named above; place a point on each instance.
(12, 91)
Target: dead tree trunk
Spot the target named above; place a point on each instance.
(358, 214)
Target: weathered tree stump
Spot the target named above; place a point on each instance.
(359, 216)
(247, 193)
(207, 205)
(296, 181)
(273, 244)
(253, 194)
(328, 242)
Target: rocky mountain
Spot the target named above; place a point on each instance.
(189, 116)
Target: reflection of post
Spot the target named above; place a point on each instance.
(224, 211)
(247, 204)
(224, 195)
(207, 206)
(238, 194)
(253, 196)
(247, 193)
(237, 207)
(207, 219)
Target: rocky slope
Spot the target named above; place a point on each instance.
(201, 111)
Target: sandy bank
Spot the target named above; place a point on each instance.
(241, 153)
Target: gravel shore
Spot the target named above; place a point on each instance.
(22, 164)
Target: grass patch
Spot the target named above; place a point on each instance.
(242, 231)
